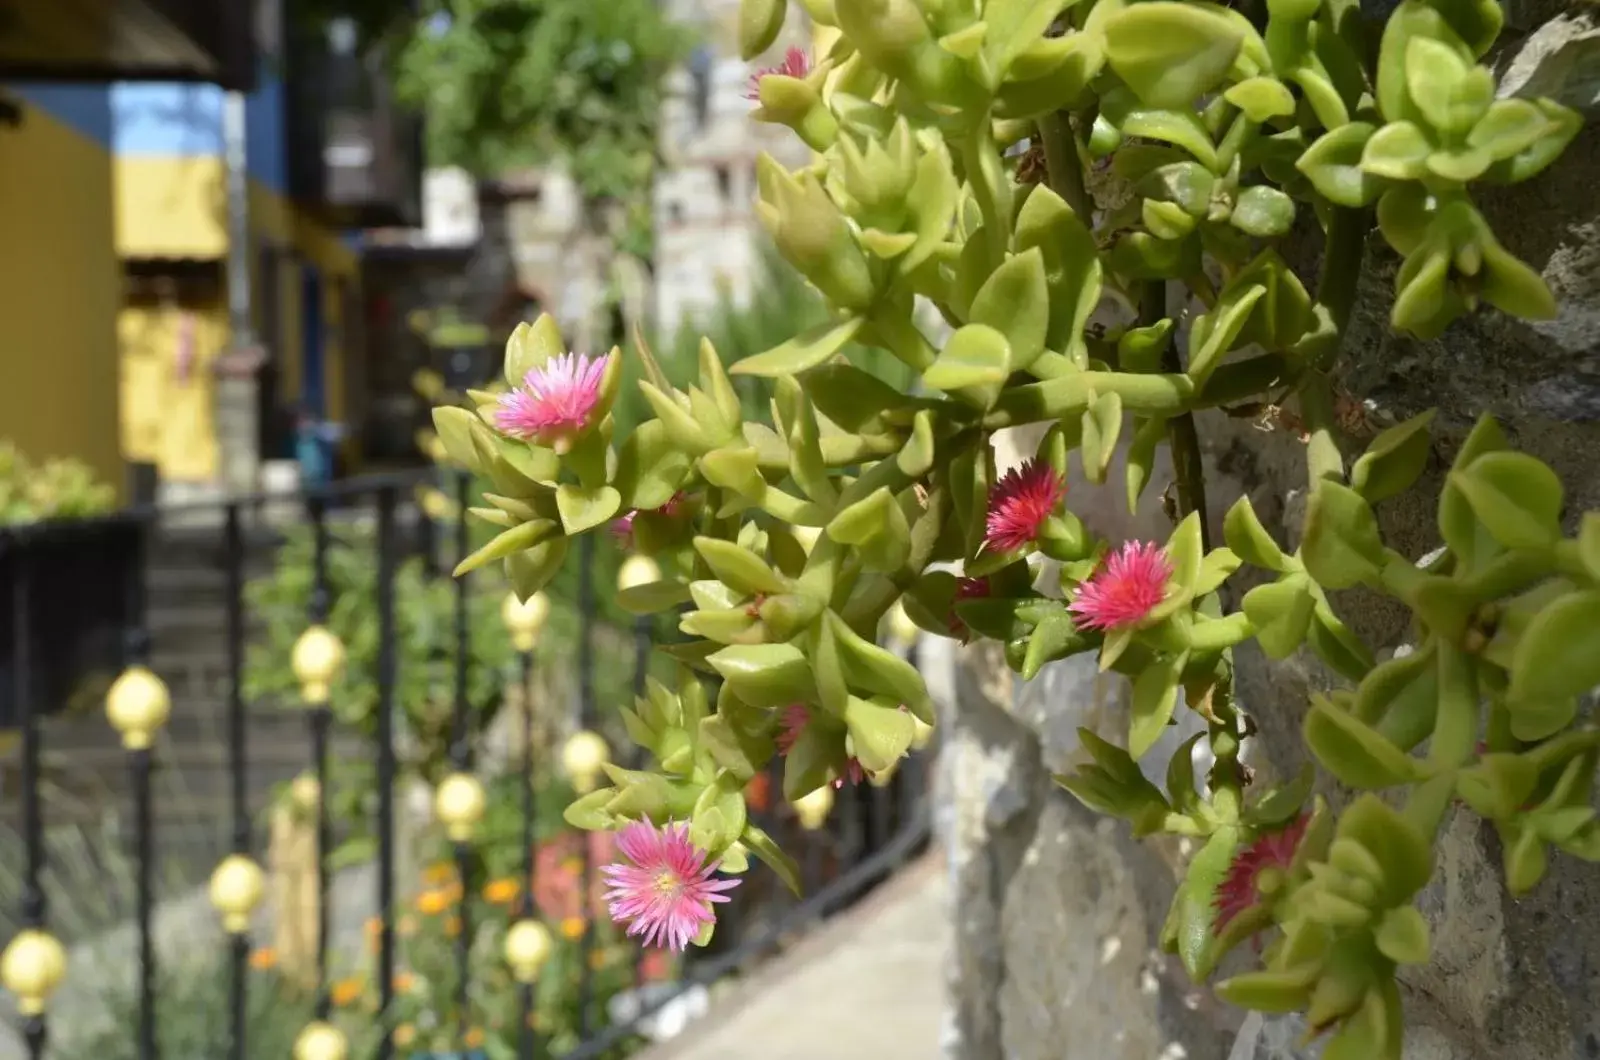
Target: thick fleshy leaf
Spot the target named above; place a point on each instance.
(652, 597)
(1341, 547)
(762, 846)
(766, 675)
(1171, 53)
(1194, 912)
(584, 509)
(1155, 695)
(1261, 98)
(760, 22)
(1243, 531)
(738, 568)
(1263, 211)
(1102, 423)
(1512, 286)
(1516, 496)
(1558, 658)
(1449, 92)
(455, 427)
(1147, 437)
(1015, 301)
(1398, 151)
(880, 734)
(1215, 333)
(1394, 460)
(806, 350)
(1354, 752)
(877, 526)
(1458, 525)
(531, 570)
(1333, 165)
(517, 539)
(530, 346)
(976, 359)
(1281, 613)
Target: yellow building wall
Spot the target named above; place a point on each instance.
(168, 409)
(60, 287)
(175, 207)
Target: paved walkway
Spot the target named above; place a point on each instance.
(868, 983)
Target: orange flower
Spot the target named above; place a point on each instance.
(572, 927)
(407, 926)
(404, 1035)
(264, 958)
(346, 991)
(432, 903)
(403, 982)
(473, 1038)
(439, 872)
(452, 926)
(501, 891)
(758, 792)
(452, 891)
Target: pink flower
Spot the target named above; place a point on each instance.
(796, 64)
(966, 589)
(1241, 889)
(1020, 503)
(622, 526)
(665, 895)
(555, 399)
(1123, 591)
(796, 716)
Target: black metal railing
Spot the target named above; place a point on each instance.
(595, 997)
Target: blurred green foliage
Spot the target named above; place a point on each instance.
(49, 489)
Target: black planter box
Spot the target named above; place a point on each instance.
(83, 577)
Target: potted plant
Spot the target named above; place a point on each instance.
(56, 522)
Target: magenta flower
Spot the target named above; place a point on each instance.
(665, 896)
(556, 399)
(796, 64)
(966, 589)
(796, 716)
(1242, 887)
(622, 526)
(1126, 589)
(1020, 503)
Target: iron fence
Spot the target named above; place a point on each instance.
(80, 624)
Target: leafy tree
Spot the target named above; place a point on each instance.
(509, 83)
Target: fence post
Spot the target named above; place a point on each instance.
(527, 944)
(387, 767)
(137, 706)
(34, 961)
(318, 660)
(238, 883)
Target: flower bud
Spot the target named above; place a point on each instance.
(812, 234)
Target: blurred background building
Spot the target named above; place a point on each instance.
(121, 339)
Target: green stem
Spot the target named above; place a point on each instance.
(984, 171)
(1147, 394)
(1323, 459)
(1341, 271)
(900, 335)
(1216, 634)
(1062, 162)
(1187, 464)
(1336, 297)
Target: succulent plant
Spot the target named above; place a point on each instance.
(787, 542)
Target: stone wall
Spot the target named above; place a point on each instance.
(1058, 910)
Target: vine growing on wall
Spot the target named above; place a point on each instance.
(790, 539)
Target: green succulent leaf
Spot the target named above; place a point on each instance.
(1353, 751)
(1281, 612)
(1171, 53)
(1393, 461)
(1341, 546)
(1155, 695)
